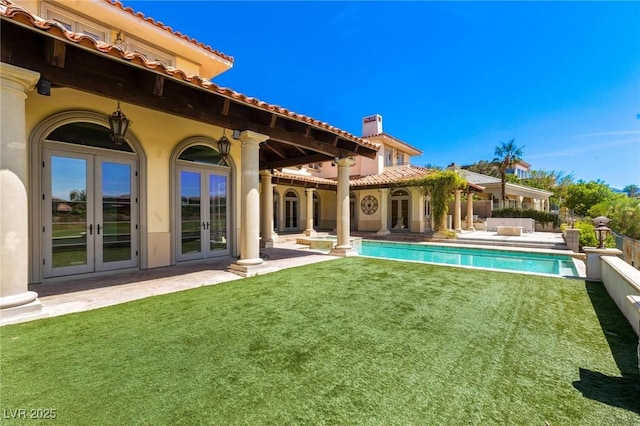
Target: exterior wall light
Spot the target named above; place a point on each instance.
(224, 145)
(119, 124)
(602, 231)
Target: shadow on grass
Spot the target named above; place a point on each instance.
(622, 392)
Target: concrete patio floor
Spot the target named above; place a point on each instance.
(65, 296)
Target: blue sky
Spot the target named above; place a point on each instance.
(453, 79)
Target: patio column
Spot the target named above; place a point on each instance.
(343, 248)
(266, 216)
(309, 232)
(456, 211)
(250, 262)
(384, 198)
(470, 211)
(16, 301)
(519, 203)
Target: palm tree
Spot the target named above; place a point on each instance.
(507, 155)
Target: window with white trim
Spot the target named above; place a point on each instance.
(75, 23)
(151, 53)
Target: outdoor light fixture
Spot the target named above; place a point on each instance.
(601, 229)
(224, 145)
(118, 123)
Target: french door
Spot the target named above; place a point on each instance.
(90, 213)
(290, 211)
(202, 214)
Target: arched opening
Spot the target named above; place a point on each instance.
(87, 203)
(202, 207)
(316, 211)
(291, 213)
(399, 213)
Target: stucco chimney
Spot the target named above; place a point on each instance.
(371, 125)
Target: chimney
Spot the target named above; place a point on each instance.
(371, 125)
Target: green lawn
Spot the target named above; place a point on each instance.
(348, 341)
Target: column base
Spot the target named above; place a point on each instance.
(21, 313)
(266, 244)
(310, 232)
(251, 270)
(343, 251)
(458, 230)
(383, 232)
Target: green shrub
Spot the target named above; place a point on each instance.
(538, 216)
(588, 235)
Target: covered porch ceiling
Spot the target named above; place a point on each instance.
(77, 61)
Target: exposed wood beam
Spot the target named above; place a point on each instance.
(274, 118)
(55, 52)
(297, 161)
(225, 106)
(273, 148)
(158, 85)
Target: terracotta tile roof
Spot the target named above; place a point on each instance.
(159, 24)
(394, 139)
(303, 178)
(23, 16)
(391, 175)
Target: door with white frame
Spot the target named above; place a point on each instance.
(203, 211)
(90, 211)
(290, 211)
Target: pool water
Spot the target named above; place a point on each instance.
(536, 263)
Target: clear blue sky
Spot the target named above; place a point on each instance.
(453, 79)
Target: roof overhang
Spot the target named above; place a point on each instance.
(79, 62)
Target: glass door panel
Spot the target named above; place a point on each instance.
(191, 221)
(217, 224)
(70, 232)
(115, 224)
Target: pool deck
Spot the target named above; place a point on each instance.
(65, 296)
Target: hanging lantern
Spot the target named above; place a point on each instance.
(224, 145)
(119, 124)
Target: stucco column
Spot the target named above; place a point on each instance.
(16, 301)
(309, 232)
(456, 211)
(384, 198)
(266, 211)
(250, 262)
(470, 212)
(343, 247)
(519, 202)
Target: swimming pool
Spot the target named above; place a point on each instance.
(527, 262)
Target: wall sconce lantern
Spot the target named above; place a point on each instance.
(224, 145)
(118, 123)
(602, 231)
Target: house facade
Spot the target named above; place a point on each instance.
(381, 198)
(78, 202)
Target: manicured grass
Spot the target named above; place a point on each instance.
(349, 341)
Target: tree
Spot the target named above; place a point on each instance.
(440, 186)
(507, 155)
(624, 213)
(632, 190)
(483, 167)
(582, 195)
(554, 181)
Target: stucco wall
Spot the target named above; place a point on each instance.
(622, 280)
(158, 134)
